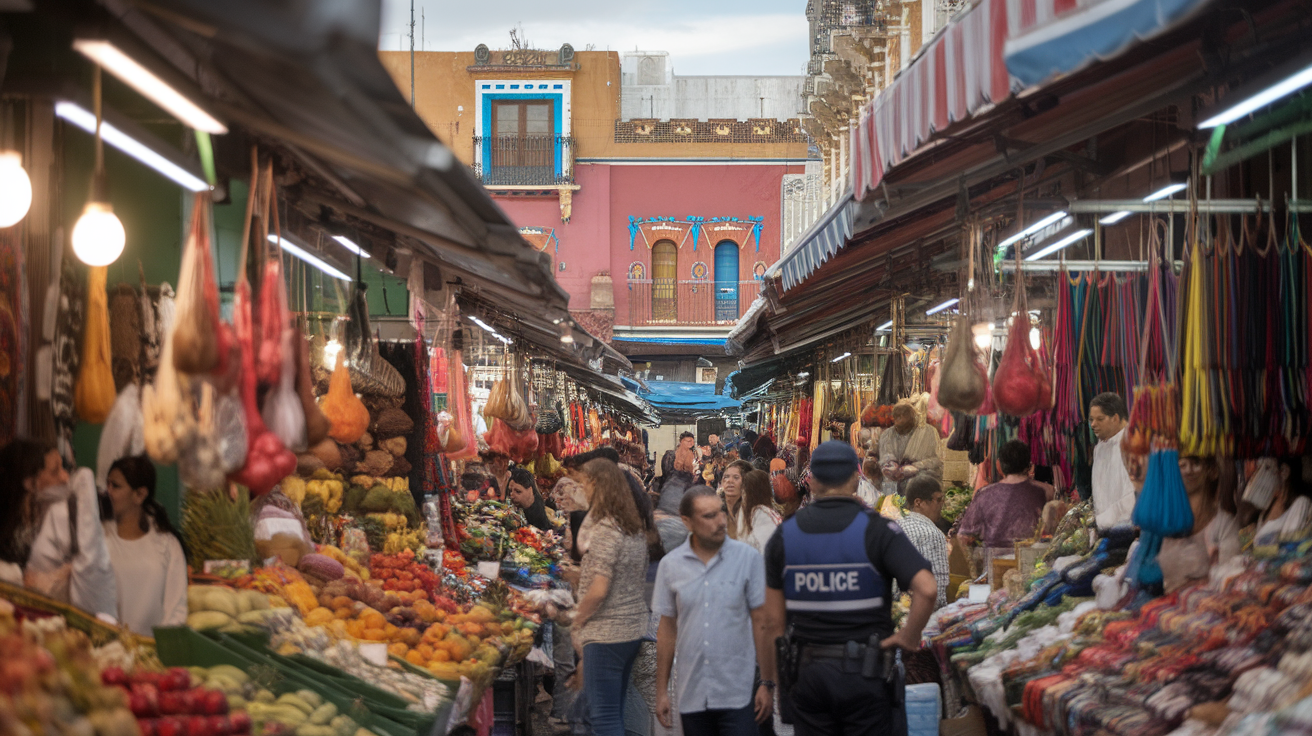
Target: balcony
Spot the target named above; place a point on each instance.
(670, 303)
(540, 161)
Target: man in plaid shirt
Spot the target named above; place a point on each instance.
(924, 504)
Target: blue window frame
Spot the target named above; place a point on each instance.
(558, 104)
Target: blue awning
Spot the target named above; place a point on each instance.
(1095, 30)
(711, 341)
(817, 245)
(686, 398)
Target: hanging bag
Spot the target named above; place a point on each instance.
(1021, 385)
(95, 394)
(199, 343)
(962, 382)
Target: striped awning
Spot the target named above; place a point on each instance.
(1049, 38)
(817, 245)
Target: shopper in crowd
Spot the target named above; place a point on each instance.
(747, 447)
(476, 484)
(731, 490)
(685, 454)
(522, 491)
(50, 534)
(868, 485)
(1011, 509)
(833, 538)
(498, 471)
(1215, 536)
(757, 518)
(710, 595)
(924, 510)
(909, 448)
(146, 551)
(1290, 510)
(611, 617)
(1113, 491)
(675, 481)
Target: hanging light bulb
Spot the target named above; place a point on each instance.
(15, 189)
(1036, 339)
(983, 335)
(330, 352)
(98, 237)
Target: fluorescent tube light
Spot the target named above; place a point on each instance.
(1165, 192)
(350, 245)
(1289, 86)
(841, 357)
(884, 326)
(1077, 235)
(86, 120)
(304, 255)
(1050, 219)
(504, 340)
(941, 307)
(1115, 217)
(150, 86)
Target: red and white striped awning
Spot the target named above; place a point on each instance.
(992, 49)
(959, 74)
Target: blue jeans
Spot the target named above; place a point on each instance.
(606, 669)
(723, 722)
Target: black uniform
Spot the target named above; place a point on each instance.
(835, 561)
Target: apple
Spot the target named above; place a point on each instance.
(197, 726)
(148, 726)
(172, 704)
(219, 725)
(168, 727)
(146, 677)
(176, 678)
(212, 702)
(113, 676)
(142, 706)
(241, 722)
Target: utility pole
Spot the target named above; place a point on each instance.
(412, 54)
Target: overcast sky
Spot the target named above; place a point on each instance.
(765, 37)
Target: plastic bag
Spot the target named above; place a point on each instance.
(200, 462)
(518, 444)
(1162, 510)
(274, 321)
(283, 413)
(462, 443)
(167, 420)
(963, 379)
(122, 433)
(199, 345)
(95, 393)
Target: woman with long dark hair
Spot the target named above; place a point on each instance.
(149, 564)
(50, 538)
(522, 491)
(757, 518)
(612, 616)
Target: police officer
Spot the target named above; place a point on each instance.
(828, 571)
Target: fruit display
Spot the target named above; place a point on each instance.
(223, 609)
(171, 703)
(49, 684)
(485, 528)
(299, 713)
(400, 572)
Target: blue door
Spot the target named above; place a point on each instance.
(726, 282)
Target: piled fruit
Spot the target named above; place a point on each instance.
(400, 572)
(215, 607)
(302, 713)
(49, 685)
(167, 704)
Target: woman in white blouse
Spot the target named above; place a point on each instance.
(757, 519)
(149, 564)
(731, 490)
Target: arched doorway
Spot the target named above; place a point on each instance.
(664, 264)
(726, 281)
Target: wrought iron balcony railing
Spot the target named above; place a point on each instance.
(535, 160)
(667, 302)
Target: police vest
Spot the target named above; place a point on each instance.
(830, 572)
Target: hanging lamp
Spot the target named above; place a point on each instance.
(15, 185)
(98, 236)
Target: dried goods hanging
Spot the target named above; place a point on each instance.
(201, 461)
(462, 442)
(283, 413)
(1021, 385)
(317, 425)
(95, 394)
(370, 373)
(167, 420)
(200, 344)
(962, 380)
(273, 317)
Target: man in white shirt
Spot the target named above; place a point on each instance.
(1113, 492)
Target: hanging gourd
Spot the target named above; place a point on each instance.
(345, 411)
(199, 344)
(962, 381)
(1021, 385)
(95, 394)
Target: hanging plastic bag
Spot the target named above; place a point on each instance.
(122, 434)
(274, 320)
(463, 444)
(345, 410)
(283, 413)
(962, 379)
(95, 393)
(199, 345)
(1162, 511)
(268, 461)
(200, 462)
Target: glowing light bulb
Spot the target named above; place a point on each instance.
(98, 236)
(330, 352)
(1036, 339)
(15, 189)
(983, 334)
